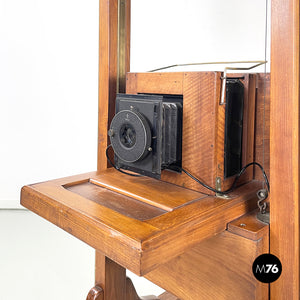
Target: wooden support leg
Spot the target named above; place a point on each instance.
(111, 277)
(112, 283)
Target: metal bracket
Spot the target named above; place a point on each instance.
(224, 77)
(219, 188)
(218, 184)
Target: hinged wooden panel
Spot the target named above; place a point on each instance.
(113, 223)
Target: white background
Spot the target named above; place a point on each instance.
(48, 91)
(49, 72)
(48, 112)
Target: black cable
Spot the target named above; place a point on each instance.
(235, 180)
(117, 168)
(199, 181)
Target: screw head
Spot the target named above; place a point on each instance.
(111, 132)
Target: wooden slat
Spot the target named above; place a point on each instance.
(284, 146)
(127, 206)
(156, 83)
(146, 190)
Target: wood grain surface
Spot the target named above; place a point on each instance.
(147, 190)
(203, 123)
(111, 277)
(262, 124)
(219, 267)
(284, 146)
(127, 206)
(140, 246)
(95, 293)
(108, 45)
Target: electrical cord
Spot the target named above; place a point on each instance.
(199, 181)
(117, 168)
(235, 180)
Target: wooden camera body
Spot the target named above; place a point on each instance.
(203, 137)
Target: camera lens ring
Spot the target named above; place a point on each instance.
(134, 127)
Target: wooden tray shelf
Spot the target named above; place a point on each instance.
(140, 223)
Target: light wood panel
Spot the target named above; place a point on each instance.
(284, 146)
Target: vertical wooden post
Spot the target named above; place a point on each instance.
(108, 45)
(114, 62)
(111, 277)
(284, 146)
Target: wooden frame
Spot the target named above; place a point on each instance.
(151, 246)
(284, 141)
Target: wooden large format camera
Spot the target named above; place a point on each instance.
(216, 139)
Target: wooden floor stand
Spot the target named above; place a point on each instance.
(112, 283)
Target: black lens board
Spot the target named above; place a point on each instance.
(146, 133)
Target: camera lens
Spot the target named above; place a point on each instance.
(130, 136)
(127, 135)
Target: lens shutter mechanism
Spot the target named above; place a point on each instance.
(130, 135)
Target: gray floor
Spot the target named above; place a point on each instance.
(40, 261)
